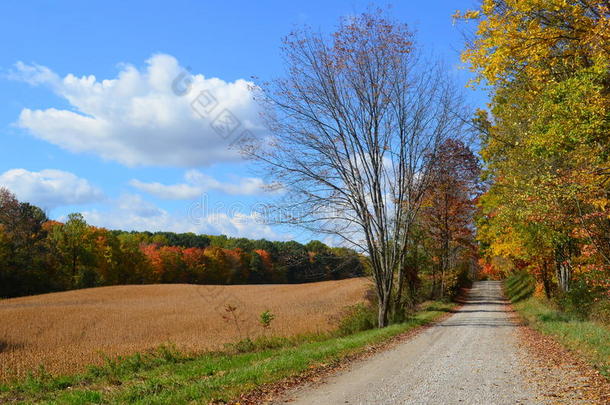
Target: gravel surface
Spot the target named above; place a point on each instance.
(470, 358)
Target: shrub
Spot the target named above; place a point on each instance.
(463, 280)
(600, 311)
(243, 346)
(577, 301)
(520, 286)
(265, 319)
(359, 317)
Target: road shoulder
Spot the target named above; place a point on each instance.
(558, 375)
(280, 391)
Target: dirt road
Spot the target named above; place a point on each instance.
(470, 358)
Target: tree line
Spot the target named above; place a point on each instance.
(38, 255)
(546, 145)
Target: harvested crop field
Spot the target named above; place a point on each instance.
(68, 330)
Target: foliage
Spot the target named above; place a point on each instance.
(358, 318)
(265, 319)
(448, 215)
(22, 247)
(600, 312)
(38, 255)
(520, 286)
(578, 301)
(546, 143)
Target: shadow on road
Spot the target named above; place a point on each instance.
(478, 300)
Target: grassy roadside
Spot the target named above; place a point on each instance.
(167, 376)
(590, 340)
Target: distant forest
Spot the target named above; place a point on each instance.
(38, 255)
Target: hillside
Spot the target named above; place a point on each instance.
(67, 330)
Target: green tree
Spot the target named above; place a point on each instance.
(23, 270)
(72, 242)
(257, 269)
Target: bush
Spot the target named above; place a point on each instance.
(359, 317)
(463, 280)
(520, 286)
(578, 301)
(243, 346)
(600, 311)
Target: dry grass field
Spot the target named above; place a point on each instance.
(68, 330)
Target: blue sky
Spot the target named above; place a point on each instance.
(90, 122)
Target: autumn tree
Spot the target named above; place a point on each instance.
(135, 268)
(256, 273)
(196, 264)
(350, 126)
(38, 255)
(174, 267)
(107, 258)
(448, 214)
(22, 271)
(219, 273)
(545, 140)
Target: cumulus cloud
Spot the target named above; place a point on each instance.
(160, 115)
(131, 212)
(167, 192)
(198, 183)
(49, 188)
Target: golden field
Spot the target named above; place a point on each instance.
(67, 331)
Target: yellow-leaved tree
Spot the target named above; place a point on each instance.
(546, 138)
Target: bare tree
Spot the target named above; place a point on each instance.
(351, 126)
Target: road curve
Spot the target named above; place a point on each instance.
(470, 358)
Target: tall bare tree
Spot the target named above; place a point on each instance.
(350, 127)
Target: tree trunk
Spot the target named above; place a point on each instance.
(401, 286)
(563, 276)
(433, 294)
(414, 277)
(545, 279)
(74, 259)
(563, 268)
(384, 306)
(441, 291)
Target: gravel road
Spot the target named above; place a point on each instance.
(470, 358)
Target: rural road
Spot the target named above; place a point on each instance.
(470, 358)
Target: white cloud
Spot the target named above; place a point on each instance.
(49, 188)
(131, 212)
(142, 117)
(198, 183)
(171, 192)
